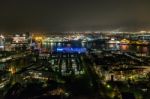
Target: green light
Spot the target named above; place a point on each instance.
(108, 86)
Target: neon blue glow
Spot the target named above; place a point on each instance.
(71, 50)
(59, 49)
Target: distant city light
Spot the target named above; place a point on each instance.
(142, 31)
(1, 36)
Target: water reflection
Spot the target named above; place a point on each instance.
(124, 47)
(99, 45)
(137, 49)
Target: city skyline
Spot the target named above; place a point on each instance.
(74, 49)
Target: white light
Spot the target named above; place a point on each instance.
(142, 31)
(1, 46)
(2, 36)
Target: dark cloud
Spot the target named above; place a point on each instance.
(74, 15)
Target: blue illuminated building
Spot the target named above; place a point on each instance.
(71, 50)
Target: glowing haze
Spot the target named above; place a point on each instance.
(74, 15)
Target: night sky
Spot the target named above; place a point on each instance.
(74, 15)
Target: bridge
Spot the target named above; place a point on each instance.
(133, 57)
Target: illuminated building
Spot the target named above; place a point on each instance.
(2, 40)
(71, 50)
(124, 41)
